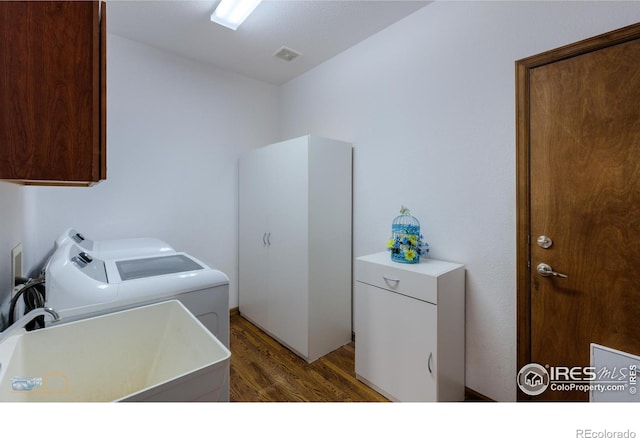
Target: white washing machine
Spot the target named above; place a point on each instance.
(116, 248)
(80, 284)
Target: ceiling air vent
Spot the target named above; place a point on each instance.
(286, 54)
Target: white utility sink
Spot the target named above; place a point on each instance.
(159, 352)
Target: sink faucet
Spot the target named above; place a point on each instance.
(26, 319)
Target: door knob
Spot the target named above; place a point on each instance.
(546, 271)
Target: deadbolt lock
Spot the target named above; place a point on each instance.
(544, 242)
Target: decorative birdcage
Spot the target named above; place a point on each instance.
(406, 243)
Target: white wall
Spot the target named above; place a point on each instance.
(429, 104)
(175, 130)
(11, 234)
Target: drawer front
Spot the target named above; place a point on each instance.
(406, 282)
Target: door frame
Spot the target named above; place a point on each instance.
(523, 177)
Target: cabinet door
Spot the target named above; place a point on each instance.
(288, 243)
(396, 343)
(50, 91)
(253, 226)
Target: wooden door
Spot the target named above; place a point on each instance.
(579, 185)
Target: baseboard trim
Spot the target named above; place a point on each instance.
(475, 396)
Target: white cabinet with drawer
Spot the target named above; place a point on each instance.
(409, 326)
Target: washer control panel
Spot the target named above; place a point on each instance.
(88, 265)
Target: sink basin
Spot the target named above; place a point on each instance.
(159, 352)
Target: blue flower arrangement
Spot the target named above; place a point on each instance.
(406, 243)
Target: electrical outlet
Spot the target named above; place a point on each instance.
(16, 265)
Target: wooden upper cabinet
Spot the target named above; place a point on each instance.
(53, 92)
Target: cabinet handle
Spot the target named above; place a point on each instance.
(429, 363)
(395, 280)
(269, 239)
(264, 242)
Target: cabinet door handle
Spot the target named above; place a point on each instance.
(387, 278)
(429, 363)
(264, 242)
(269, 239)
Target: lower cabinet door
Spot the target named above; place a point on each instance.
(395, 343)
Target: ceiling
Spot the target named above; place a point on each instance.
(318, 30)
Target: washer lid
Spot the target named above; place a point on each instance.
(154, 266)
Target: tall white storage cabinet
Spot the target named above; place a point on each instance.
(409, 325)
(295, 254)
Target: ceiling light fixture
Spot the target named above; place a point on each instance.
(231, 13)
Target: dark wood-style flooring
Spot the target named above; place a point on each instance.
(264, 370)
